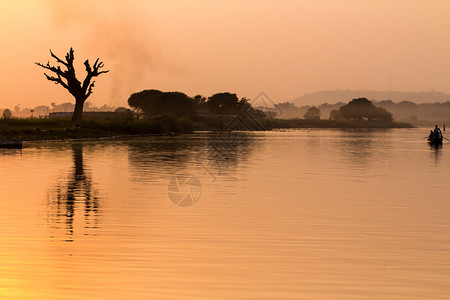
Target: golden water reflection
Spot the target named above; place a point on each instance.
(74, 197)
(294, 215)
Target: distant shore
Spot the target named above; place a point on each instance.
(303, 123)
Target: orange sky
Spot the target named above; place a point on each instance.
(284, 48)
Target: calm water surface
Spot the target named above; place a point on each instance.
(307, 214)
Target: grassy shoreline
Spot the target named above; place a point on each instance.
(34, 129)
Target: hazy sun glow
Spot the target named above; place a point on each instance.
(285, 48)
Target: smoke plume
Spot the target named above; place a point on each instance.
(120, 32)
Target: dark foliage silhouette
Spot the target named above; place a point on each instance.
(313, 113)
(226, 104)
(361, 108)
(7, 113)
(335, 115)
(155, 102)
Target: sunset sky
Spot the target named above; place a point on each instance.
(284, 48)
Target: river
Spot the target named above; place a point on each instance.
(294, 214)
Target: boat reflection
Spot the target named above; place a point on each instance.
(436, 152)
(73, 198)
(435, 146)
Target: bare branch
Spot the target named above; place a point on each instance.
(65, 85)
(89, 92)
(88, 66)
(91, 72)
(57, 80)
(70, 57)
(97, 65)
(58, 59)
(94, 71)
(102, 72)
(56, 70)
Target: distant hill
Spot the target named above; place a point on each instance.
(345, 96)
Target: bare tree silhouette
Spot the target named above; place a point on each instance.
(68, 80)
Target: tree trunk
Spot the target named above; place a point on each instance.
(78, 112)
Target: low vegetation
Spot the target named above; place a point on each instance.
(63, 128)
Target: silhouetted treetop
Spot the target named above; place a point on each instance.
(360, 108)
(313, 113)
(227, 104)
(335, 115)
(155, 102)
(7, 113)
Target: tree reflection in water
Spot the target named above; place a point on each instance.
(211, 155)
(72, 196)
(357, 146)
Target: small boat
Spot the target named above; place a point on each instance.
(435, 141)
(11, 144)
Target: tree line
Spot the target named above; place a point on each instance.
(404, 111)
(415, 113)
(357, 109)
(44, 110)
(155, 102)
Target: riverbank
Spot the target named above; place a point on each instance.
(32, 129)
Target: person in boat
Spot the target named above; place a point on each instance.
(437, 132)
(430, 137)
